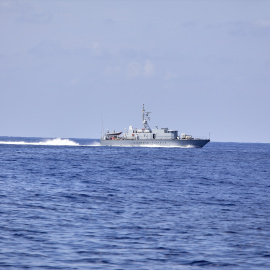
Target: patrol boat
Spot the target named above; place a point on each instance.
(146, 136)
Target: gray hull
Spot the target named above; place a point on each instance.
(193, 143)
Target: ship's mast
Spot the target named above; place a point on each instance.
(145, 118)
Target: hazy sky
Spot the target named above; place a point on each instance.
(198, 66)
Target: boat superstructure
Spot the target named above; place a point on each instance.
(151, 137)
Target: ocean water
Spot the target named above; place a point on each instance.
(71, 204)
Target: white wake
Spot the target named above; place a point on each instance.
(93, 144)
(54, 142)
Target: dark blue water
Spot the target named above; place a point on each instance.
(90, 207)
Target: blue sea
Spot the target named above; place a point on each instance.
(71, 204)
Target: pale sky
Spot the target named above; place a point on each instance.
(198, 66)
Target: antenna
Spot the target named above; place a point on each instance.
(143, 112)
(102, 125)
(145, 118)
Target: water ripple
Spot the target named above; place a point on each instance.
(66, 207)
